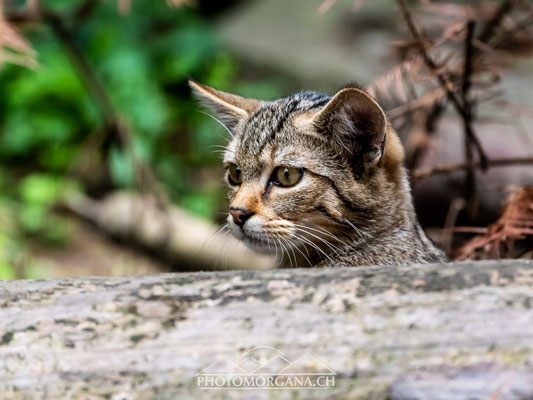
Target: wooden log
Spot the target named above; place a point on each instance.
(454, 331)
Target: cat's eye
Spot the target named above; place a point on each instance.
(234, 175)
(287, 176)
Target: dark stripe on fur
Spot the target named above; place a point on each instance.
(345, 201)
(279, 126)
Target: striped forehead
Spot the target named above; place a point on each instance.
(268, 125)
(269, 133)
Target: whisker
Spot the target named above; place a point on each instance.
(220, 149)
(322, 230)
(307, 259)
(290, 247)
(225, 252)
(318, 249)
(288, 255)
(269, 245)
(332, 247)
(307, 251)
(280, 250)
(213, 235)
(219, 146)
(357, 230)
(276, 256)
(219, 121)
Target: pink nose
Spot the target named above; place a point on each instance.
(240, 215)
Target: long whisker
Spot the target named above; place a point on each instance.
(220, 149)
(318, 249)
(332, 247)
(222, 152)
(290, 247)
(307, 259)
(219, 146)
(225, 251)
(213, 236)
(281, 252)
(307, 251)
(357, 230)
(322, 230)
(276, 257)
(288, 254)
(219, 121)
(286, 251)
(270, 246)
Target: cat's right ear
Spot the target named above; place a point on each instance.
(230, 108)
(356, 122)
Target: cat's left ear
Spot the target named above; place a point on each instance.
(230, 108)
(356, 122)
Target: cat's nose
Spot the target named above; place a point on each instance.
(240, 215)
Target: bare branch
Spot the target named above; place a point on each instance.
(422, 173)
(444, 81)
(470, 182)
(14, 48)
(491, 26)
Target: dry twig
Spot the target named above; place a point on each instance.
(14, 48)
(444, 81)
(470, 182)
(422, 173)
(500, 238)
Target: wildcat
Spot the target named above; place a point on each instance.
(318, 179)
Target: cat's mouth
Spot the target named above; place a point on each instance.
(259, 244)
(259, 238)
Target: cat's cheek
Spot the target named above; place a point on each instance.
(230, 194)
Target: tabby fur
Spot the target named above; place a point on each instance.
(353, 204)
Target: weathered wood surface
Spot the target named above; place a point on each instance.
(457, 331)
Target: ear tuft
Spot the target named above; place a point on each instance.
(230, 108)
(356, 123)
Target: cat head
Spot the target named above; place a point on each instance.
(307, 170)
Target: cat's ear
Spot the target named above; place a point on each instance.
(356, 122)
(228, 107)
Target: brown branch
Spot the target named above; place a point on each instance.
(444, 81)
(470, 182)
(523, 24)
(25, 16)
(422, 173)
(490, 28)
(83, 10)
(81, 64)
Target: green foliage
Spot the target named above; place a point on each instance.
(7, 248)
(37, 194)
(48, 117)
(15, 260)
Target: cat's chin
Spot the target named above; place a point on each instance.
(259, 245)
(256, 241)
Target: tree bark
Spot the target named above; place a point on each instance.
(450, 331)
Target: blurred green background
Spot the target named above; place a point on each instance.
(53, 139)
